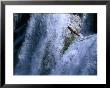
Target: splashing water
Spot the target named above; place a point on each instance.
(80, 58)
(41, 51)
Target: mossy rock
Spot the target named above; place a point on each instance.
(67, 41)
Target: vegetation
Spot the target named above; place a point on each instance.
(68, 40)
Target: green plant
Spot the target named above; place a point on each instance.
(67, 41)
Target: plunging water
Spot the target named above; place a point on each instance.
(41, 51)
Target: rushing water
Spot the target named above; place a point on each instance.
(41, 53)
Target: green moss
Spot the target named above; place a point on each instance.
(68, 40)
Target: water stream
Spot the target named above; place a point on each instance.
(41, 50)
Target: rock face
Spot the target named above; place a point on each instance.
(20, 26)
(43, 45)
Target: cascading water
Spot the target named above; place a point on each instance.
(80, 58)
(42, 51)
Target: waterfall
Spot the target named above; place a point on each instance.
(80, 58)
(41, 52)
